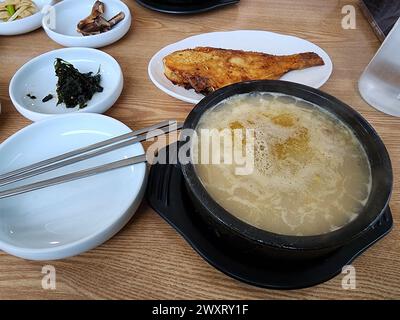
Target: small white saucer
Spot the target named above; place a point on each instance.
(27, 24)
(68, 13)
(37, 78)
(70, 218)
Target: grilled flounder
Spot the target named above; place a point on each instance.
(207, 69)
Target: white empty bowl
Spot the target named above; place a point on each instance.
(70, 218)
(37, 78)
(27, 24)
(67, 15)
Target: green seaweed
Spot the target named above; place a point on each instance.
(47, 98)
(75, 88)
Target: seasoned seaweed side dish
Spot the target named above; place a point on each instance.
(75, 88)
(31, 96)
(47, 98)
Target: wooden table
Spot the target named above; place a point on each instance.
(148, 259)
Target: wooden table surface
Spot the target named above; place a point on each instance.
(148, 259)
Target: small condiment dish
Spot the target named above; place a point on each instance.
(27, 24)
(68, 13)
(36, 79)
(65, 220)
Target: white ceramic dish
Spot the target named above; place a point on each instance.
(68, 13)
(249, 40)
(37, 78)
(27, 24)
(71, 218)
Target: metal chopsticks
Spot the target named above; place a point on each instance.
(83, 154)
(72, 176)
(4, 177)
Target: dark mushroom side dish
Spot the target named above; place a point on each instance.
(95, 23)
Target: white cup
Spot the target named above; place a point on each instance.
(379, 85)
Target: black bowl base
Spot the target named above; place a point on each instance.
(167, 195)
(190, 8)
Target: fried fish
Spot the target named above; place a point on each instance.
(207, 69)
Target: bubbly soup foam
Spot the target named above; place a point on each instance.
(311, 174)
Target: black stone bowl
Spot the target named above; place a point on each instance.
(182, 2)
(240, 236)
(178, 2)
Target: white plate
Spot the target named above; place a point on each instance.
(37, 77)
(68, 219)
(27, 24)
(248, 40)
(67, 15)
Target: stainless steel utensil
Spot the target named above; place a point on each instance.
(81, 154)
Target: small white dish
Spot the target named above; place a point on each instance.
(67, 15)
(37, 78)
(248, 40)
(70, 218)
(27, 24)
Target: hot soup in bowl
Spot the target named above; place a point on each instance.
(313, 174)
(309, 173)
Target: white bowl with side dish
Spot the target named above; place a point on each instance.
(37, 78)
(69, 13)
(27, 24)
(68, 219)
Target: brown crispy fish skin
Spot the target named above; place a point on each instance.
(207, 69)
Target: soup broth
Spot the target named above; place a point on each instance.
(311, 175)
